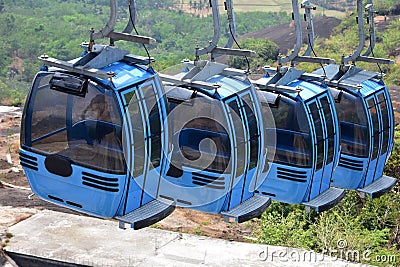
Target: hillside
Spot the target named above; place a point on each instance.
(284, 34)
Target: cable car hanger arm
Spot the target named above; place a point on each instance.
(356, 56)
(108, 30)
(212, 47)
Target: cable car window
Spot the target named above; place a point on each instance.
(331, 149)
(317, 121)
(128, 97)
(203, 125)
(320, 154)
(48, 124)
(320, 134)
(151, 102)
(381, 98)
(85, 129)
(385, 141)
(253, 130)
(375, 125)
(138, 135)
(371, 103)
(293, 141)
(385, 122)
(326, 107)
(353, 125)
(240, 141)
(375, 147)
(386, 126)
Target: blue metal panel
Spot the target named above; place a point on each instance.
(229, 85)
(81, 191)
(350, 172)
(127, 75)
(286, 183)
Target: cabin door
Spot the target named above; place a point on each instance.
(143, 141)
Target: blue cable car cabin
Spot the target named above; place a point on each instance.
(307, 143)
(216, 145)
(366, 121)
(74, 129)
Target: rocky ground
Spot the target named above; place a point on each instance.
(17, 202)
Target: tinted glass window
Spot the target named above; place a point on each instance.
(240, 141)
(353, 125)
(253, 130)
(326, 108)
(385, 122)
(317, 121)
(293, 141)
(85, 129)
(139, 143)
(315, 113)
(154, 121)
(350, 109)
(196, 130)
(49, 111)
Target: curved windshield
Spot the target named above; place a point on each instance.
(353, 124)
(198, 128)
(85, 128)
(293, 141)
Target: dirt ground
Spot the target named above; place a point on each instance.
(16, 206)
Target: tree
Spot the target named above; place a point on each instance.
(267, 51)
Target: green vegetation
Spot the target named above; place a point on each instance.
(344, 40)
(56, 28)
(267, 52)
(369, 227)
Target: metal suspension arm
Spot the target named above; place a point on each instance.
(369, 8)
(306, 4)
(232, 23)
(110, 24)
(216, 19)
(356, 56)
(132, 16)
(361, 34)
(296, 17)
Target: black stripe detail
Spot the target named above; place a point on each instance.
(207, 181)
(184, 202)
(208, 176)
(341, 164)
(29, 166)
(292, 171)
(268, 194)
(27, 156)
(100, 187)
(27, 161)
(354, 163)
(100, 177)
(291, 179)
(55, 198)
(74, 204)
(168, 198)
(100, 182)
(292, 174)
(209, 185)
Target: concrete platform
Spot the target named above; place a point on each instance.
(70, 240)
